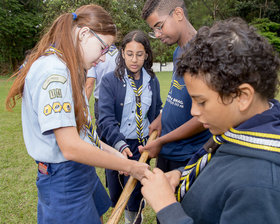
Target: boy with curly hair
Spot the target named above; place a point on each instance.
(231, 73)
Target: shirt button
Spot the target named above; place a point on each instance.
(121, 104)
(124, 85)
(128, 124)
(132, 111)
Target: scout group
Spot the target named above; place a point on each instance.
(218, 146)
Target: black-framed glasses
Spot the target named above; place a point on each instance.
(105, 46)
(158, 29)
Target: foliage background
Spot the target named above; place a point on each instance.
(22, 22)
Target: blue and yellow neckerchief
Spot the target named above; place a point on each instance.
(91, 131)
(138, 114)
(52, 50)
(250, 134)
(92, 134)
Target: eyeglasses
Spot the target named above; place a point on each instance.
(158, 29)
(139, 56)
(106, 47)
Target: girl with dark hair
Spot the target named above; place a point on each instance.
(129, 101)
(56, 124)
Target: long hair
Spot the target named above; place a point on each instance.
(140, 37)
(61, 36)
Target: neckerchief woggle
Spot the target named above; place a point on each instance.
(91, 131)
(261, 132)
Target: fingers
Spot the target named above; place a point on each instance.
(128, 152)
(147, 175)
(141, 149)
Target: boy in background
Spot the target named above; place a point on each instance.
(181, 134)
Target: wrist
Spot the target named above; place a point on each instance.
(121, 145)
(161, 140)
(164, 203)
(129, 166)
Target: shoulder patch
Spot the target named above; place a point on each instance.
(54, 78)
(112, 50)
(55, 93)
(67, 107)
(56, 107)
(47, 110)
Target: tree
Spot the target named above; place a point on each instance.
(270, 30)
(20, 25)
(126, 15)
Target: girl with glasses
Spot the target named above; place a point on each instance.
(129, 100)
(56, 124)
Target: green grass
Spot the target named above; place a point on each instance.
(18, 193)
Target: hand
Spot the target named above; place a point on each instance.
(137, 169)
(127, 153)
(157, 190)
(155, 125)
(173, 178)
(153, 147)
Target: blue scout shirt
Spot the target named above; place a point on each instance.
(111, 107)
(177, 111)
(128, 123)
(47, 104)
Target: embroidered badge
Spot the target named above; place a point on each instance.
(112, 50)
(55, 93)
(43, 168)
(54, 78)
(177, 85)
(47, 110)
(56, 107)
(67, 107)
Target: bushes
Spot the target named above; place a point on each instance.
(270, 30)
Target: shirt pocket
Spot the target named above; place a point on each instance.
(145, 104)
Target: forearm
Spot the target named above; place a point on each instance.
(75, 149)
(111, 150)
(186, 130)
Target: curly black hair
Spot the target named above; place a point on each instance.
(140, 37)
(231, 53)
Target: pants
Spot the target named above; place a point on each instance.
(116, 182)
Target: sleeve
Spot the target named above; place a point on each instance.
(158, 102)
(54, 102)
(108, 124)
(173, 214)
(253, 204)
(91, 73)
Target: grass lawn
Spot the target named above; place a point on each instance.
(18, 193)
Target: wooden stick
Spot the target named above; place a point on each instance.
(128, 189)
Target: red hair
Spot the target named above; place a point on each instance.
(60, 34)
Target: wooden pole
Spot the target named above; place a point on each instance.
(128, 189)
